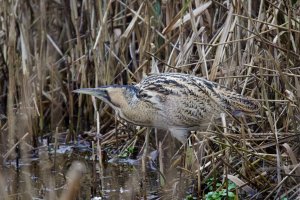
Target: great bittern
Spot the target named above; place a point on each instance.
(173, 101)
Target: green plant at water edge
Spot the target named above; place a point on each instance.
(220, 194)
(129, 151)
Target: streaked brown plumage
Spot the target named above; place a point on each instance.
(172, 101)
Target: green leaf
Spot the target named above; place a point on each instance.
(231, 194)
(216, 195)
(231, 186)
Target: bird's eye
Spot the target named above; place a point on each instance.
(143, 95)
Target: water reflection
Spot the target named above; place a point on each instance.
(45, 176)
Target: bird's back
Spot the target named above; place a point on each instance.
(187, 101)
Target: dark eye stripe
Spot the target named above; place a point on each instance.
(144, 95)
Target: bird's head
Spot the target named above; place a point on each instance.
(117, 96)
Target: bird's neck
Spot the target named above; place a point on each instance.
(136, 113)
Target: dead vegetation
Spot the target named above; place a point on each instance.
(49, 48)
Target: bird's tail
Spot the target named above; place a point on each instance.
(241, 103)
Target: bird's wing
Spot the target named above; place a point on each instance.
(226, 98)
(238, 102)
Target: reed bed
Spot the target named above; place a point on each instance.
(49, 48)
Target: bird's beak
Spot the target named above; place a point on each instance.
(97, 92)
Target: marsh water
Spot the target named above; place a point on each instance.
(44, 175)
